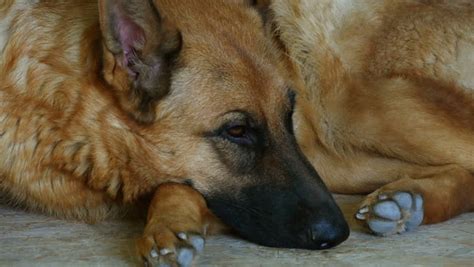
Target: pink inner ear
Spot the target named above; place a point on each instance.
(131, 35)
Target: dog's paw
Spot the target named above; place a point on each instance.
(387, 213)
(169, 249)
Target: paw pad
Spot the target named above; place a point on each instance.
(394, 212)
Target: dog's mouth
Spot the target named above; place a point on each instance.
(281, 217)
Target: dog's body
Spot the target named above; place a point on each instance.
(388, 102)
(384, 100)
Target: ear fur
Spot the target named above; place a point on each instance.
(263, 8)
(139, 50)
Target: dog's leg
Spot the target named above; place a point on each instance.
(436, 196)
(178, 220)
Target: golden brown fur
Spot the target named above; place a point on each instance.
(387, 95)
(384, 103)
(79, 141)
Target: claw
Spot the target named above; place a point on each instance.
(182, 236)
(360, 216)
(365, 209)
(165, 251)
(153, 253)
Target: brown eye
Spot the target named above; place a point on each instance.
(237, 131)
(239, 134)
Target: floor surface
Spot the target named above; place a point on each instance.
(28, 239)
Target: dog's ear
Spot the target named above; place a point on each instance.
(140, 46)
(263, 7)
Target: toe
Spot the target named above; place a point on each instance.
(197, 242)
(185, 257)
(418, 202)
(145, 247)
(416, 217)
(382, 227)
(404, 200)
(387, 210)
(415, 220)
(165, 239)
(159, 258)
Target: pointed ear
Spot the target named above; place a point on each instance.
(263, 8)
(139, 50)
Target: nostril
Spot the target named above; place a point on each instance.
(325, 235)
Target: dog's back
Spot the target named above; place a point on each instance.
(373, 38)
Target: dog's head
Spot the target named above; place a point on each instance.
(210, 90)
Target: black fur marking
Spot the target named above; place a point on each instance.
(289, 114)
(188, 182)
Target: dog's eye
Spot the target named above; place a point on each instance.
(237, 131)
(239, 134)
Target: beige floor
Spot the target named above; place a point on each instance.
(36, 240)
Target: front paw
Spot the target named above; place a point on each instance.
(387, 213)
(166, 247)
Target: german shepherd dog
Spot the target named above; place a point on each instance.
(219, 112)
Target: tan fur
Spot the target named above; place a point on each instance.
(385, 102)
(69, 145)
(387, 94)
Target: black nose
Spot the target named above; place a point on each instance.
(324, 234)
